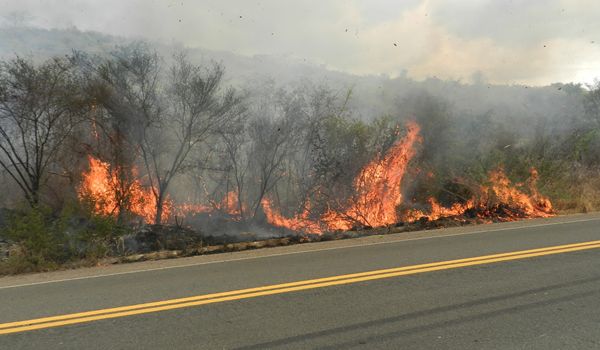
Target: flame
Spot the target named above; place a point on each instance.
(378, 187)
(102, 185)
(300, 222)
(377, 194)
(438, 211)
(499, 194)
(534, 205)
(229, 204)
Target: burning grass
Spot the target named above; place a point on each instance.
(378, 194)
(375, 202)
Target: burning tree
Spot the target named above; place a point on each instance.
(170, 114)
(375, 198)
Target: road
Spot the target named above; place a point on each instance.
(482, 287)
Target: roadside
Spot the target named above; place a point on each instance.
(110, 267)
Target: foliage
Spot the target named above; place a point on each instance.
(47, 240)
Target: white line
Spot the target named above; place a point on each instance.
(296, 252)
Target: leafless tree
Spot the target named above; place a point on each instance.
(273, 141)
(39, 106)
(123, 91)
(196, 108)
(235, 141)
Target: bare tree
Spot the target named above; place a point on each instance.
(235, 142)
(39, 107)
(166, 115)
(196, 108)
(273, 142)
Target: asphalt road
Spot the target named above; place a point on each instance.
(550, 301)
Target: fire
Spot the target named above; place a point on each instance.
(112, 190)
(499, 193)
(378, 187)
(377, 193)
(301, 222)
(438, 211)
(229, 204)
(501, 189)
(105, 186)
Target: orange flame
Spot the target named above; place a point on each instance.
(534, 205)
(500, 192)
(438, 211)
(301, 222)
(377, 193)
(102, 185)
(378, 187)
(229, 204)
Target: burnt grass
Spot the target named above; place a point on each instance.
(160, 241)
(154, 242)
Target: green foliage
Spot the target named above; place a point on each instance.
(90, 234)
(47, 240)
(41, 237)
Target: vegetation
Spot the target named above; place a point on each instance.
(165, 124)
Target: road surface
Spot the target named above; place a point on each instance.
(524, 285)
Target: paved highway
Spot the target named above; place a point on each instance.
(524, 285)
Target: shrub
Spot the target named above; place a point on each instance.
(41, 239)
(47, 241)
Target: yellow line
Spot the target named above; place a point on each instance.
(61, 320)
(278, 286)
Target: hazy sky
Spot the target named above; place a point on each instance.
(520, 41)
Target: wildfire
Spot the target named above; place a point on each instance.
(377, 193)
(438, 211)
(378, 187)
(229, 204)
(501, 191)
(301, 222)
(499, 198)
(112, 190)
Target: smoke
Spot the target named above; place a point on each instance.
(520, 42)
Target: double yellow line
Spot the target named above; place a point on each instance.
(95, 315)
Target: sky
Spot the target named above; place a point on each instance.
(534, 42)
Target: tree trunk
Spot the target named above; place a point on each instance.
(159, 209)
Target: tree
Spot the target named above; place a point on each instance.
(123, 89)
(164, 116)
(39, 107)
(234, 142)
(196, 108)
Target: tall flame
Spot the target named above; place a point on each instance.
(377, 193)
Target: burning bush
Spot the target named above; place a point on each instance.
(378, 194)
